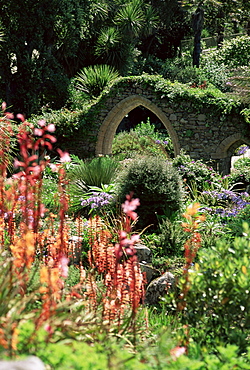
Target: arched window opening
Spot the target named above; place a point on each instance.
(240, 168)
(142, 132)
(241, 155)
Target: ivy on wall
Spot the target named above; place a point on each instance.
(69, 122)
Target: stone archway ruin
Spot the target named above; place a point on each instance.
(118, 112)
(206, 132)
(226, 149)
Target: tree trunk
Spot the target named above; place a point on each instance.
(220, 28)
(197, 23)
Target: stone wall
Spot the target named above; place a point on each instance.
(203, 135)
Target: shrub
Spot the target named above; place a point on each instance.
(187, 75)
(196, 172)
(225, 203)
(171, 238)
(233, 53)
(240, 177)
(235, 224)
(217, 74)
(156, 183)
(217, 305)
(143, 139)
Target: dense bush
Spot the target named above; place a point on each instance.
(156, 183)
(196, 173)
(217, 74)
(233, 53)
(225, 203)
(171, 238)
(240, 176)
(143, 139)
(235, 224)
(217, 305)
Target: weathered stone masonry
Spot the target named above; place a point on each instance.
(202, 135)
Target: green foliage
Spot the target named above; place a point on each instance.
(67, 122)
(197, 175)
(233, 53)
(216, 74)
(143, 139)
(217, 305)
(241, 163)
(86, 176)
(179, 94)
(211, 230)
(92, 80)
(171, 238)
(156, 183)
(73, 277)
(97, 172)
(40, 36)
(235, 225)
(72, 121)
(240, 177)
(50, 196)
(186, 75)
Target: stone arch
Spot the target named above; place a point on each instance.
(225, 151)
(111, 122)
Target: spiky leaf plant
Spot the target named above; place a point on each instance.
(83, 177)
(93, 79)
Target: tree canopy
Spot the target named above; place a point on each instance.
(44, 43)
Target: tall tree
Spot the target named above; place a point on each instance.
(34, 32)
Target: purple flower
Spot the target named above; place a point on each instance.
(242, 149)
(98, 200)
(157, 141)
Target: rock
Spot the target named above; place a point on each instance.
(30, 363)
(143, 253)
(151, 272)
(159, 287)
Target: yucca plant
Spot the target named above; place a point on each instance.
(109, 46)
(93, 79)
(87, 177)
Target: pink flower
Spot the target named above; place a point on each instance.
(64, 266)
(21, 117)
(118, 251)
(64, 156)
(4, 106)
(17, 163)
(38, 131)
(48, 328)
(130, 205)
(9, 115)
(36, 170)
(177, 352)
(42, 123)
(53, 167)
(51, 128)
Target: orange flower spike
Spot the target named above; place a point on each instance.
(193, 209)
(44, 275)
(14, 339)
(30, 246)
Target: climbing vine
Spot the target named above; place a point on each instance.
(187, 96)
